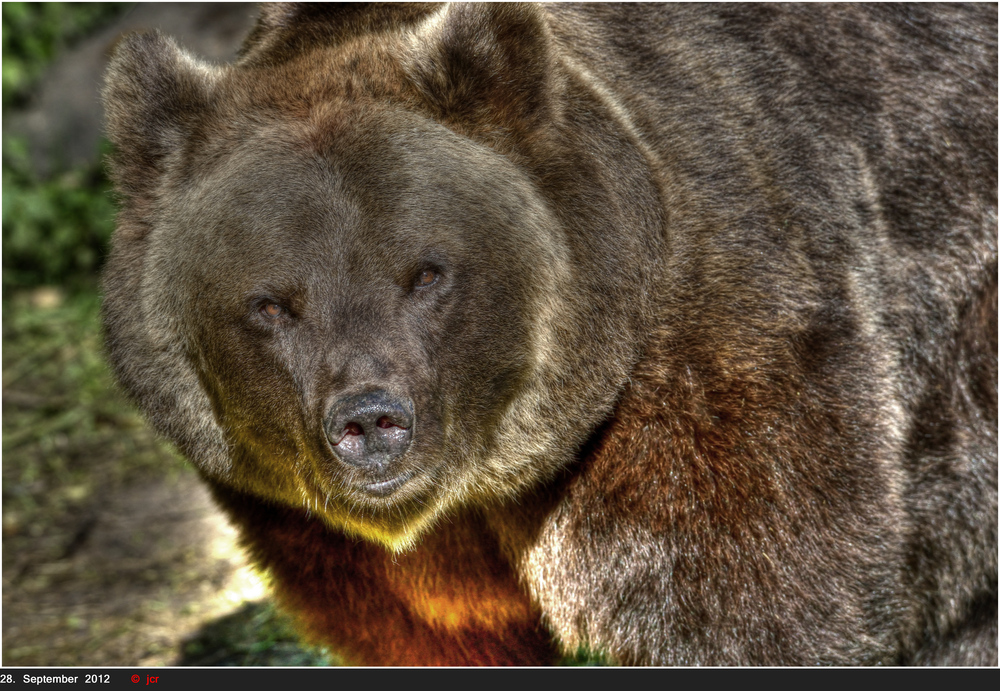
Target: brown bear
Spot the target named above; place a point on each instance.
(665, 332)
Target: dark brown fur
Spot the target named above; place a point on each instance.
(708, 375)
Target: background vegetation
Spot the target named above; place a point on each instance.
(55, 230)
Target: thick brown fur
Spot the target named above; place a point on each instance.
(695, 306)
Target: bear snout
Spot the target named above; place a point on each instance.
(370, 429)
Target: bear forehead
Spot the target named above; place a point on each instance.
(398, 190)
(397, 170)
(369, 146)
(368, 70)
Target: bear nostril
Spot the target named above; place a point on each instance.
(370, 429)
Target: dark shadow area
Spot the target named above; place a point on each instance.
(253, 636)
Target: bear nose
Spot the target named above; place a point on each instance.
(370, 429)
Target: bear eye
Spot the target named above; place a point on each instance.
(426, 278)
(272, 310)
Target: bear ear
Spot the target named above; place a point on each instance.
(282, 23)
(488, 67)
(154, 93)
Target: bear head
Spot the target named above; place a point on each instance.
(368, 269)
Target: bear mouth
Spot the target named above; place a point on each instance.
(387, 488)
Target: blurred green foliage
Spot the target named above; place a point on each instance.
(33, 33)
(55, 230)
